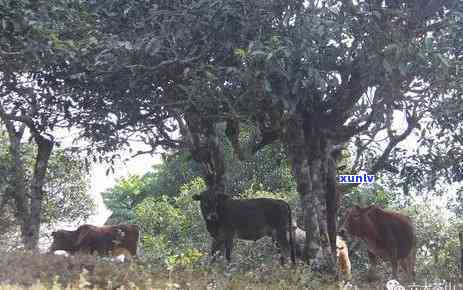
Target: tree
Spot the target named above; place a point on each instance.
(66, 196)
(315, 76)
(37, 38)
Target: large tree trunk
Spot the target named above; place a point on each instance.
(28, 208)
(312, 165)
(21, 201)
(44, 150)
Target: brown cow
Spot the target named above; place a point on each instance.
(103, 240)
(248, 219)
(342, 252)
(389, 235)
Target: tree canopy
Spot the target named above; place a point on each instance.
(314, 76)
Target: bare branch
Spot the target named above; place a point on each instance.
(381, 162)
(347, 95)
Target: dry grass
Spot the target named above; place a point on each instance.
(22, 270)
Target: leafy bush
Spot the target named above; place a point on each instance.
(437, 241)
(171, 227)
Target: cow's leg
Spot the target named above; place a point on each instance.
(404, 264)
(411, 261)
(372, 276)
(407, 265)
(228, 248)
(216, 245)
(394, 259)
(275, 242)
(284, 246)
(394, 264)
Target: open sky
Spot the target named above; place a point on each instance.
(100, 181)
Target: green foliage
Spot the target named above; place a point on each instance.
(67, 186)
(368, 195)
(159, 216)
(121, 199)
(185, 260)
(164, 179)
(172, 228)
(437, 241)
(267, 170)
(342, 64)
(455, 203)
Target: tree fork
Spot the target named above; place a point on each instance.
(207, 149)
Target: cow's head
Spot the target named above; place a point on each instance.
(63, 240)
(211, 204)
(354, 221)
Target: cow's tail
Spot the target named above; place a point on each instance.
(291, 236)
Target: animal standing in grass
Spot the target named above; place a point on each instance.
(389, 235)
(247, 219)
(103, 240)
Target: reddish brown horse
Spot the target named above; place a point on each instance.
(389, 235)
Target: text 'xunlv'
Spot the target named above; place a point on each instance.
(365, 178)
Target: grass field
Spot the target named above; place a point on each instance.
(22, 270)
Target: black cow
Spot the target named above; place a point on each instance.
(247, 219)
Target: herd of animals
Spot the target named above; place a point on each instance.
(388, 235)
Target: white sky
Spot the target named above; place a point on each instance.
(100, 181)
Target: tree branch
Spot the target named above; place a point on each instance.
(381, 162)
(347, 96)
